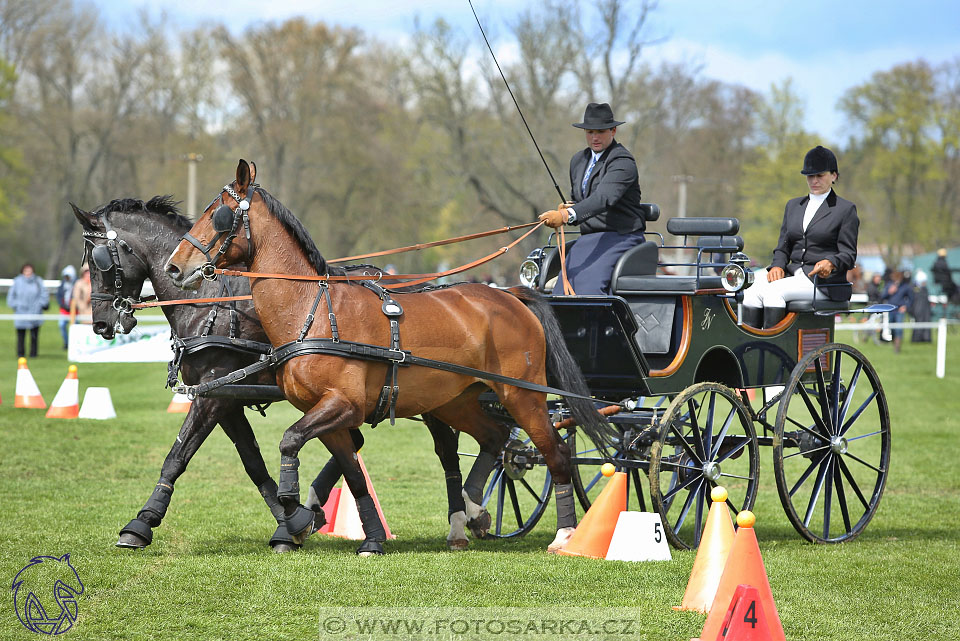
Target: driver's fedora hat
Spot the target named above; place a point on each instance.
(598, 116)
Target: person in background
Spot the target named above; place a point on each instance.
(942, 275)
(80, 310)
(605, 189)
(64, 294)
(921, 310)
(27, 297)
(818, 239)
(899, 292)
(874, 288)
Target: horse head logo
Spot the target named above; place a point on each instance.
(45, 577)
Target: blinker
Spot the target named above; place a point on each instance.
(223, 219)
(102, 259)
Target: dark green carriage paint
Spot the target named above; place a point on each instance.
(600, 332)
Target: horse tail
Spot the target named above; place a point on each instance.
(565, 371)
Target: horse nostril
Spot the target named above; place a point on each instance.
(173, 271)
(99, 327)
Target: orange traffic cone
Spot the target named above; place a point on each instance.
(745, 619)
(27, 394)
(592, 537)
(180, 404)
(744, 566)
(66, 404)
(330, 511)
(711, 556)
(346, 518)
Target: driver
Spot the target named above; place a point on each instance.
(818, 238)
(605, 193)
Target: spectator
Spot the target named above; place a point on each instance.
(27, 297)
(898, 292)
(942, 275)
(875, 288)
(64, 293)
(921, 311)
(80, 310)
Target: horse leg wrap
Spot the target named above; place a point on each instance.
(478, 476)
(155, 508)
(566, 510)
(370, 518)
(289, 487)
(136, 535)
(324, 482)
(282, 537)
(455, 502)
(268, 490)
(300, 523)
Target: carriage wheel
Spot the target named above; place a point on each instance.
(835, 430)
(706, 439)
(519, 489)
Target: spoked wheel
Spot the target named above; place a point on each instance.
(706, 439)
(831, 448)
(519, 488)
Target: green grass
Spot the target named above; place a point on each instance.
(68, 486)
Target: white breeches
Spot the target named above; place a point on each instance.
(779, 292)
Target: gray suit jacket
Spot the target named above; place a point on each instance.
(831, 234)
(611, 201)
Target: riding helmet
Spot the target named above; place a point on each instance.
(819, 160)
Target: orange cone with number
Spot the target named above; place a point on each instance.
(27, 394)
(592, 537)
(180, 404)
(66, 404)
(745, 619)
(346, 519)
(711, 556)
(744, 566)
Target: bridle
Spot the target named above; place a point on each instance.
(106, 257)
(225, 220)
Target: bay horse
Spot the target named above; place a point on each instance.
(145, 235)
(511, 333)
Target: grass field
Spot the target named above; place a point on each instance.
(68, 487)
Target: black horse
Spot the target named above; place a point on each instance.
(128, 241)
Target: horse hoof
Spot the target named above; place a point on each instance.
(283, 548)
(370, 548)
(563, 537)
(131, 541)
(480, 525)
(300, 524)
(458, 545)
(136, 535)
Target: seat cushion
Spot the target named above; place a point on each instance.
(664, 284)
(822, 304)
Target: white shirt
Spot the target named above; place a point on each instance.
(812, 206)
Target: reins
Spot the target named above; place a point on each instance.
(417, 279)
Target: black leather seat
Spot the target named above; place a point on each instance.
(820, 305)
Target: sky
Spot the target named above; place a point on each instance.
(825, 46)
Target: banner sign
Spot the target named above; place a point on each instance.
(146, 344)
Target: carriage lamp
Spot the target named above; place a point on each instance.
(736, 276)
(530, 268)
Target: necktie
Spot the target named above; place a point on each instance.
(586, 175)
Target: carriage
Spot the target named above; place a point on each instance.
(694, 393)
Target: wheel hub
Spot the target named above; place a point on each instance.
(838, 445)
(711, 470)
(517, 459)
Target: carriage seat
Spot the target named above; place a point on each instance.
(636, 272)
(820, 305)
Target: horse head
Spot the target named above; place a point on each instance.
(117, 272)
(226, 224)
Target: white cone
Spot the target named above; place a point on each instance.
(97, 404)
(180, 404)
(639, 536)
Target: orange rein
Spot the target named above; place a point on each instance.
(417, 278)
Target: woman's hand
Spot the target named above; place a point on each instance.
(822, 268)
(775, 273)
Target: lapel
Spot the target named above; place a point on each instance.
(596, 168)
(826, 207)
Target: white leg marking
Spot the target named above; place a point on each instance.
(563, 537)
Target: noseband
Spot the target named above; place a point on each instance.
(106, 257)
(208, 269)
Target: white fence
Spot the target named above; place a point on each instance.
(881, 323)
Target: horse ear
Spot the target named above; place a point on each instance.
(253, 172)
(243, 175)
(86, 219)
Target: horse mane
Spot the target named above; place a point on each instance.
(299, 233)
(163, 205)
